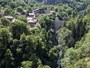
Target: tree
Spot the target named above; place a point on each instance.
(13, 4)
(45, 22)
(70, 58)
(53, 57)
(5, 21)
(86, 20)
(80, 27)
(43, 66)
(80, 64)
(29, 10)
(26, 64)
(78, 57)
(5, 37)
(8, 60)
(18, 28)
(77, 26)
(19, 9)
(65, 37)
(8, 11)
(23, 19)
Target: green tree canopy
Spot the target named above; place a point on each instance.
(5, 21)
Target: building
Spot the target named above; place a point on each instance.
(32, 15)
(39, 11)
(52, 12)
(31, 21)
(9, 17)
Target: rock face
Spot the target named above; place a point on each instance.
(39, 0)
(47, 1)
(59, 1)
(50, 2)
(53, 1)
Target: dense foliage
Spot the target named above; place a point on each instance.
(22, 46)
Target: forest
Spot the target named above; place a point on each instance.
(44, 33)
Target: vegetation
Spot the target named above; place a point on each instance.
(23, 46)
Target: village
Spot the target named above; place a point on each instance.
(32, 17)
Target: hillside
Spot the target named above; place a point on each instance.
(61, 1)
(44, 34)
